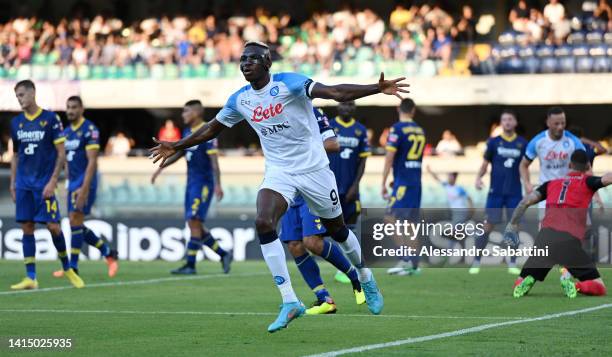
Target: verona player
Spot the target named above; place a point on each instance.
(348, 164)
(567, 200)
(278, 107)
(503, 153)
(38, 143)
(405, 146)
(301, 230)
(203, 179)
(82, 147)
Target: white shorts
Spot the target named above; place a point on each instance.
(317, 187)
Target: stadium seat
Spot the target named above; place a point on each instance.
(112, 72)
(349, 69)
(54, 73)
(3, 72)
(83, 72)
(576, 38)
(507, 38)
(214, 71)
(308, 69)
(411, 67)
(127, 72)
(584, 63)
(98, 72)
(157, 71)
(608, 38)
(428, 68)
(171, 71)
(549, 65)
(201, 71)
(368, 69)
(142, 71)
(601, 62)
(231, 70)
(24, 72)
(39, 72)
(594, 38)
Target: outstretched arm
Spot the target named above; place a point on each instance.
(171, 160)
(347, 92)
(433, 174)
(165, 149)
(531, 199)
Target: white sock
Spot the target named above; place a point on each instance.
(352, 249)
(274, 254)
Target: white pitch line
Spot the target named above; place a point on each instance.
(245, 313)
(132, 282)
(413, 340)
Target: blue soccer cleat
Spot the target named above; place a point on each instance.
(288, 312)
(374, 298)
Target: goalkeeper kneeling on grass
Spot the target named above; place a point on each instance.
(563, 228)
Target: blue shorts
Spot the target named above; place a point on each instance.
(32, 207)
(197, 200)
(405, 201)
(350, 210)
(298, 223)
(72, 197)
(495, 205)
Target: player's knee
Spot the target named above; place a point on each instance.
(195, 227)
(28, 227)
(314, 244)
(264, 224)
(296, 248)
(54, 228)
(76, 219)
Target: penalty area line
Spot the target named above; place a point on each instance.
(461, 332)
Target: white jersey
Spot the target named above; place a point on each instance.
(457, 197)
(282, 115)
(554, 155)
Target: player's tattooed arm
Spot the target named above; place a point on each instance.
(49, 189)
(347, 92)
(524, 172)
(527, 201)
(165, 149)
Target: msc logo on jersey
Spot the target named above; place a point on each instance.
(276, 128)
(274, 91)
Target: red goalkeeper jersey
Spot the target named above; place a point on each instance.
(567, 202)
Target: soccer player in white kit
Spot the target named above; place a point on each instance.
(279, 108)
(553, 147)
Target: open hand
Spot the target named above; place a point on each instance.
(393, 86)
(162, 151)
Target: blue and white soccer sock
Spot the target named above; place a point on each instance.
(28, 242)
(351, 247)
(274, 255)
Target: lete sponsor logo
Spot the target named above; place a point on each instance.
(260, 114)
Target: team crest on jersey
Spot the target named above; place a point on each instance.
(566, 144)
(20, 125)
(94, 134)
(358, 132)
(43, 123)
(274, 91)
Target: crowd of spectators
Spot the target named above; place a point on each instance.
(417, 32)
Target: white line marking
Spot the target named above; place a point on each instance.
(246, 313)
(132, 282)
(460, 332)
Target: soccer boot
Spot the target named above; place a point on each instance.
(373, 297)
(360, 298)
(25, 284)
(112, 263)
(342, 278)
(321, 307)
(569, 287)
(74, 278)
(184, 270)
(226, 262)
(522, 286)
(288, 312)
(400, 268)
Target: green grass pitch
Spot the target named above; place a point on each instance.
(212, 314)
